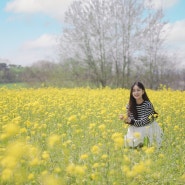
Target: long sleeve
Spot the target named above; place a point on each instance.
(145, 111)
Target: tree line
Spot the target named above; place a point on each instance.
(70, 74)
(10, 73)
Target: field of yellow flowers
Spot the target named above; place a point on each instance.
(52, 136)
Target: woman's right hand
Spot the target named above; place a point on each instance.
(126, 119)
(121, 117)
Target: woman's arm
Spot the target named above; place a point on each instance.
(146, 113)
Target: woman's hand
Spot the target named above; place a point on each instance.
(126, 119)
(121, 117)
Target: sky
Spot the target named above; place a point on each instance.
(30, 29)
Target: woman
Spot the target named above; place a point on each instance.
(141, 118)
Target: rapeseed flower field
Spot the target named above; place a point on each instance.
(52, 136)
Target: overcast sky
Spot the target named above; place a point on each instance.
(29, 29)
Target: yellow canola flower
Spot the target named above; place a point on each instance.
(126, 159)
(150, 117)
(16, 120)
(118, 139)
(84, 156)
(3, 136)
(137, 135)
(17, 149)
(139, 168)
(6, 174)
(45, 172)
(9, 162)
(95, 149)
(11, 130)
(92, 125)
(51, 180)
(23, 130)
(31, 176)
(104, 156)
(161, 155)
(176, 127)
(45, 155)
(35, 162)
(118, 142)
(35, 126)
(53, 140)
(33, 151)
(57, 170)
(76, 170)
(44, 135)
(125, 169)
(78, 131)
(72, 118)
(94, 176)
(14, 154)
(102, 127)
(5, 118)
(183, 177)
(95, 165)
(116, 135)
(149, 150)
(44, 125)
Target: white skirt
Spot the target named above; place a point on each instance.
(151, 133)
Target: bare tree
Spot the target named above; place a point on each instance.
(88, 35)
(128, 18)
(105, 36)
(154, 37)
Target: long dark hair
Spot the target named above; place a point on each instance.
(132, 101)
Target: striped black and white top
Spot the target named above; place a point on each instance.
(145, 111)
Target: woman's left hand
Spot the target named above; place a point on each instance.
(127, 120)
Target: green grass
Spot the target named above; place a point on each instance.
(13, 85)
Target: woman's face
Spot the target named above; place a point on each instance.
(137, 93)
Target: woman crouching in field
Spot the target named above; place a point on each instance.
(141, 119)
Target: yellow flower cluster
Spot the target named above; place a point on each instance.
(76, 170)
(118, 139)
(137, 169)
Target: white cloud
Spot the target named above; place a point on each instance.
(54, 8)
(42, 48)
(27, 57)
(177, 33)
(162, 3)
(175, 40)
(44, 41)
